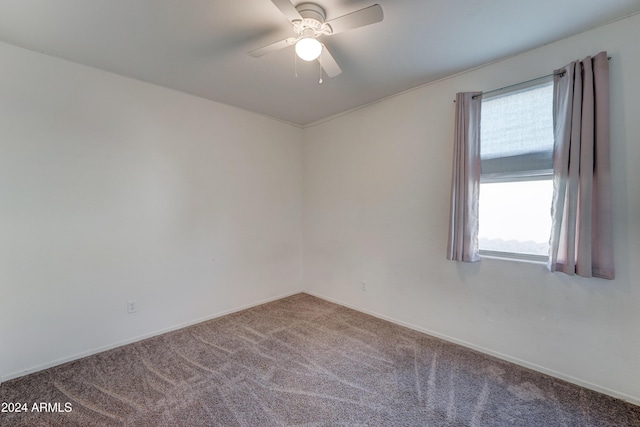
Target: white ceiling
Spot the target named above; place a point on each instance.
(200, 46)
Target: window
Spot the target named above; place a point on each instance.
(516, 140)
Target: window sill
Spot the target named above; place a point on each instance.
(511, 256)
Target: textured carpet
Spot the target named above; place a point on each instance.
(303, 361)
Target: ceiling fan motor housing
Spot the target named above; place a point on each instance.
(313, 17)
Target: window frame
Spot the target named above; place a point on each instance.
(520, 176)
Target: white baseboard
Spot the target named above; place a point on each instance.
(577, 381)
(77, 356)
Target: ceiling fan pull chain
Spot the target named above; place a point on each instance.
(320, 67)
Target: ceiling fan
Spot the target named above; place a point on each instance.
(308, 20)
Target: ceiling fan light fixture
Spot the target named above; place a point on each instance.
(308, 48)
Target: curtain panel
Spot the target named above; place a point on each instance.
(581, 239)
(465, 180)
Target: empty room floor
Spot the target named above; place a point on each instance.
(302, 361)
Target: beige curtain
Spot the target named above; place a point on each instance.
(581, 236)
(465, 180)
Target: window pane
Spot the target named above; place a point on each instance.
(516, 216)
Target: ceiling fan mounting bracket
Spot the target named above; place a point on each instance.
(312, 11)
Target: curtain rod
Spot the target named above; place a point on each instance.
(561, 73)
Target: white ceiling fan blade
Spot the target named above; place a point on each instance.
(328, 64)
(359, 18)
(288, 9)
(256, 53)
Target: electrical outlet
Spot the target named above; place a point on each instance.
(132, 306)
(364, 285)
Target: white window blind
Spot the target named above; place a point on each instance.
(517, 134)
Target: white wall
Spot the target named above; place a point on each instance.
(114, 190)
(376, 198)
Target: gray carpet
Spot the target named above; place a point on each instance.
(302, 361)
